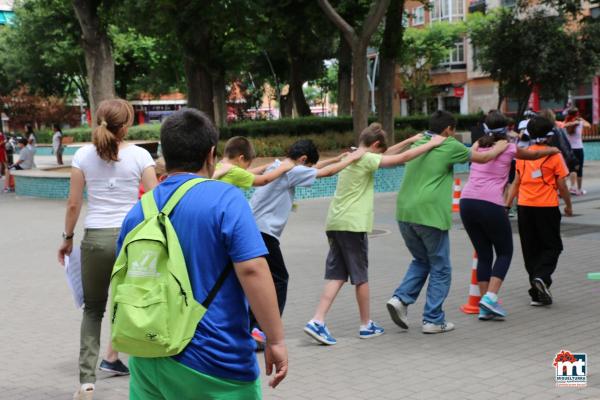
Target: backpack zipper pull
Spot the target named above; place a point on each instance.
(184, 296)
(114, 313)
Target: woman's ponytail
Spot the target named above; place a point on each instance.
(114, 117)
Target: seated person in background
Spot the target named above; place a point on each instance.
(26, 152)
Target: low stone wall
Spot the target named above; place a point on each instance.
(55, 185)
(42, 183)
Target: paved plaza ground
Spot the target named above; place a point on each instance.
(39, 328)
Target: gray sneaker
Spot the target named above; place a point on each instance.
(398, 312)
(429, 327)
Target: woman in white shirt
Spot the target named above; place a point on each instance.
(31, 137)
(57, 146)
(574, 125)
(112, 170)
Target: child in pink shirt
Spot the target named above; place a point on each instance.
(484, 215)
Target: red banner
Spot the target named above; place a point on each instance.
(459, 91)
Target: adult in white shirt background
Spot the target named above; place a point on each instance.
(574, 126)
(57, 146)
(112, 170)
(31, 137)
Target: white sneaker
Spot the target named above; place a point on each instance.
(398, 312)
(85, 392)
(429, 327)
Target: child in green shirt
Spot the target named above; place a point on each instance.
(234, 167)
(349, 220)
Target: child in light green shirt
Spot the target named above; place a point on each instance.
(234, 167)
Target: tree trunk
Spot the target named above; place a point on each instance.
(286, 105)
(300, 106)
(122, 83)
(386, 88)
(360, 106)
(98, 54)
(219, 101)
(359, 43)
(522, 104)
(344, 98)
(390, 49)
(199, 87)
(500, 96)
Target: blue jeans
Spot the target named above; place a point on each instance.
(430, 248)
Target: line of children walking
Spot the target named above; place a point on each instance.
(423, 214)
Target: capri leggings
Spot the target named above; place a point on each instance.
(489, 229)
(578, 153)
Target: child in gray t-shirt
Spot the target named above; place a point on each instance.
(272, 204)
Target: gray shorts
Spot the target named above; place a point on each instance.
(348, 256)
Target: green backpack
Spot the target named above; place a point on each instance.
(154, 313)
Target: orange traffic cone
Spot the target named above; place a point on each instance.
(472, 305)
(456, 196)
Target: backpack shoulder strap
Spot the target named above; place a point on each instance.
(179, 193)
(220, 281)
(149, 205)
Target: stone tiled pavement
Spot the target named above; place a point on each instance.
(39, 325)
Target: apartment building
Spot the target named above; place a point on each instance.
(6, 11)
(461, 87)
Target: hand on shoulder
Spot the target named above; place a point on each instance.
(287, 164)
(357, 154)
(501, 145)
(416, 138)
(553, 150)
(437, 140)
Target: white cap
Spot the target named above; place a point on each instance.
(523, 125)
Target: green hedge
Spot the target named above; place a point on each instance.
(287, 126)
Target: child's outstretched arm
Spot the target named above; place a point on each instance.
(398, 147)
(526, 154)
(259, 170)
(484, 157)
(222, 171)
(325, 163)
(392, 161)
(337, 167)
(261, 180)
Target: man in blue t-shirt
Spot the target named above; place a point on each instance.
(214, 224)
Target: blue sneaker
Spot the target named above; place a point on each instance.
(320, 333)
(372, 330)
(492, 306)
(485, 315)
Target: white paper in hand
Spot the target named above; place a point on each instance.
(73, 274)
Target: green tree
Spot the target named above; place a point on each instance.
(43, 55)
(389, 52)
(423, 50)
(354, 12)
(526, 50)
(48, 58)
(292, 45)
(358, 38)
(97, 49)
(213, 39)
